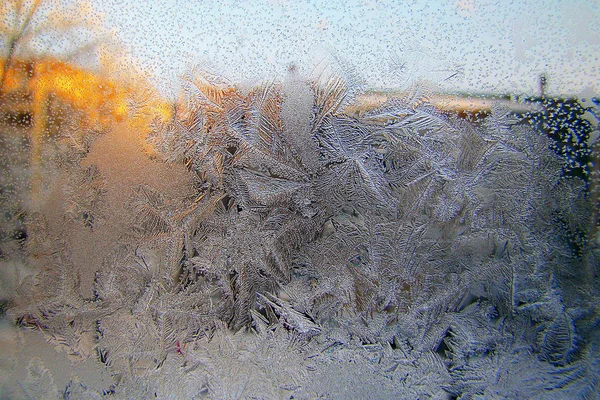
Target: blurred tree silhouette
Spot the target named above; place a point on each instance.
(563, 120)
(14, 34)
(570, 125)
(27, 27)
(35, 36)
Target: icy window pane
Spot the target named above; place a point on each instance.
(279, 199)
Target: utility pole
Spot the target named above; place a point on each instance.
(39, 89)
(543, 83)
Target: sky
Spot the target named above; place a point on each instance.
(467, 45)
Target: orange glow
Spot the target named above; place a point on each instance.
(98, 102)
